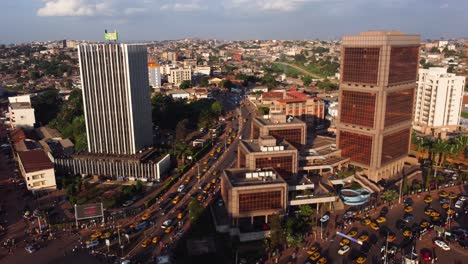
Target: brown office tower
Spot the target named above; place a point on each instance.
(378, 80)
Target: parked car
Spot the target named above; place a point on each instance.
(181, 188)
(343, 250)
(324, 218)
(166, 224)
(442, 244)
(92, 243)
(30, 249)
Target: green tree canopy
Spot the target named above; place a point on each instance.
(204, 82)
(269, 81)
(185, 84)
(46, 106)
(195, 209)
(182, 130)
(306, 80)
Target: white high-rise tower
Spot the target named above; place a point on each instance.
(116, 98)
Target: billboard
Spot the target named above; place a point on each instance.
(88, 211)
(111, 35)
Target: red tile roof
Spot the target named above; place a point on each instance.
(297, 95)
(290, 100)
(35, 160)
(17, 135)
(272, 95)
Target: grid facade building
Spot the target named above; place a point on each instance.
(268, 152)
(439, 99)
(293, 130)
(253, 193)
(378, 80)
(116, 99)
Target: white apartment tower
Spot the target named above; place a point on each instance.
(178, 75)
(438, 100)
(154, 70)
(116, 98)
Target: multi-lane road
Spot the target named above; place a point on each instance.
(210, 169)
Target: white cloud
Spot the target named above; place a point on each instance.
(183, 6)
(446, 5)
(134, 10)
(72, 8)
(266, 5)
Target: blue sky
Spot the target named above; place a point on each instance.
(37, 20)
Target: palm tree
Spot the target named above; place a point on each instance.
(389, 196)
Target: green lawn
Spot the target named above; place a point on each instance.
(464, 114)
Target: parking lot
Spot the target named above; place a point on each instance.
(374, 241)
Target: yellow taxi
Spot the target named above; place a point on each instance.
(187, 179)
(361, 260)
(312, 250)
(452, 195)
(205, 169)
(352, 233)
(427, 199)
(215, 173)
(381, 220)
(443, 194)
(180, 215)
(391, 238)
(409, 209)
(424, 224)
(322, 260)
(366, 221)
(428, 211)
(363, 238)
(205, 162)
(344, 242)
(168, 230)
(155, 240)
(96, 235)
(145, 243)
(435, 214)
(407, 233)
(106, 235)
(445, 206)
(450, 211)
(213, 181)
(199, 176)
(176, 199)
(374, 226)
(315, 256)
(146, 216)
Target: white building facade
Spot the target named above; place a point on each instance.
(439, 99)
(37, 170)
(154, 71)
(20, 112)
(177, 76)
(116, 98)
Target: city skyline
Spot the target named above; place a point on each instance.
(227, 19)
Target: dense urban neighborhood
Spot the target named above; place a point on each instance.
(210, 151)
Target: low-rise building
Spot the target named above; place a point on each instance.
(281, 127)
(37, 169)
(253, 193)
(267, 152)
(309, 109)
(20, 112)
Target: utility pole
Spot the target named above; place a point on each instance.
(401, 187)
